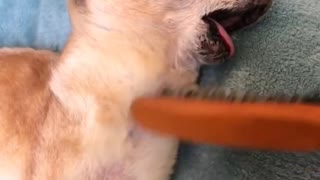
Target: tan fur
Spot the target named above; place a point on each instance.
(67, 117)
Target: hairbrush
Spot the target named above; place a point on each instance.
(232, 118)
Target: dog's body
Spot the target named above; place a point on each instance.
(67, 117)
(85, 134)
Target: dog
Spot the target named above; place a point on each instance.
(67, 116)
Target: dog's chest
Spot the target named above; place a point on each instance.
(109, 165)
(116, 171)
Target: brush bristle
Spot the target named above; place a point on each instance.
(229, 95)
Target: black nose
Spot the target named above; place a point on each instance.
(256, 11)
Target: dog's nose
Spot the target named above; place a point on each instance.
(257, 10)
(264, 3)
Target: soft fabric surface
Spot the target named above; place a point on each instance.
(279, 54)
(34, 23)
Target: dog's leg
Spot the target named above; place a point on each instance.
(155, 157)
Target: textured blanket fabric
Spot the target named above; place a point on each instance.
(34, 23)
(279, 54)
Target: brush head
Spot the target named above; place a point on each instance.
(231, 118)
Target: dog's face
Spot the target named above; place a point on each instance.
(198, 29)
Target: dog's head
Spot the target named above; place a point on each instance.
(199, 29)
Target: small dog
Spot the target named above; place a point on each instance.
(67, 117)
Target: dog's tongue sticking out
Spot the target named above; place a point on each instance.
(225, 38)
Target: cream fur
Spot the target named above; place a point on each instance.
(67, 117)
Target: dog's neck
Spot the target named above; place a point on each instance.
(111, 63)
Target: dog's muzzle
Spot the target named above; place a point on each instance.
(216, 45)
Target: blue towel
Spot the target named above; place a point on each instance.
(279, 54)
(42, 24)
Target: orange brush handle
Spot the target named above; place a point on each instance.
(265, 126)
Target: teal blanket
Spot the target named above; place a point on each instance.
(34, 23)
(279, 54)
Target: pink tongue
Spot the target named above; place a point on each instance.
(226, 38)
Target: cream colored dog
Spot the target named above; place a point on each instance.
(67, 117)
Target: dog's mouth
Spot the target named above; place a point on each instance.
(217, 45)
